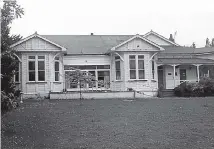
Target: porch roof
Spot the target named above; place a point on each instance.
(184, 61)
(186, 50)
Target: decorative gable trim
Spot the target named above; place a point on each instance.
(140, 37)
(160, 36)
(37, 35)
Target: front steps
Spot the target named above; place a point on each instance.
(168, 93)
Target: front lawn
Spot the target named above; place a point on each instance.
(147, 123)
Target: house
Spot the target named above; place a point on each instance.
(139, 62)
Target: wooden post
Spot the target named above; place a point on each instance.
(174, 74)
(198, 77)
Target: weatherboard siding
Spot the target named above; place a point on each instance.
(87, 60)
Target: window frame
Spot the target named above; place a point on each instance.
(135, 62)
(117, 70)
(41, 60)
(36, 61)
(137, 66)
(57, 60)
(153, 68)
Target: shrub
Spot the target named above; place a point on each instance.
(205, 87)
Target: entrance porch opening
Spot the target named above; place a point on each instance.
(170, 76)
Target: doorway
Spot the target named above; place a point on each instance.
(183, 75)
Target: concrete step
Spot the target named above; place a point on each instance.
(168, 93)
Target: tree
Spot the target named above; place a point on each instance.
(212, 44)
(207, 43)
(80, 78)
(171, 38)
(10, 11)
(193, 45)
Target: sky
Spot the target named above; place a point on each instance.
(193, 20)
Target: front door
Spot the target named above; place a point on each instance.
(160, 77)
(183, 76)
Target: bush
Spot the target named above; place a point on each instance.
(205, 87)
(8, 102)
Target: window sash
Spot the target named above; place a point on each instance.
(136, 67)
(117, 70)
(36, 68)
(56, 67)
(153, 69)
(41, 75)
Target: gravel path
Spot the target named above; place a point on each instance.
(95, 124)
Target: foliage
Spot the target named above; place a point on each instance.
(212, 44)
(80, 78)
(10, 11)
(205, 87)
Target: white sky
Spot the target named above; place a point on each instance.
(192, 19)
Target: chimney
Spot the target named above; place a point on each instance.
(92, 34)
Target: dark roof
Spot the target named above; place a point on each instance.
(204, 49)
(179, 49)
(88, 44)
(184, 61)
(186, 50)
(100, 44)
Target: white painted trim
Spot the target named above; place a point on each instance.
(152, 56)
(17, 57)
(119, 56)
(140, 37)
(36, 60)
(160, 36)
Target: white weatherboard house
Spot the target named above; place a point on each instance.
(139, 62)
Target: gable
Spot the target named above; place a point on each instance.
(158, 40)
(36, 43)
(137, 44)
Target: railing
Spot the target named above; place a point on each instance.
(178, 82)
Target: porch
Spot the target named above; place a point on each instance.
(172, 73)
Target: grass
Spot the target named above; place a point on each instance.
(147, 123)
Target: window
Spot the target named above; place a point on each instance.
(41, 68)
(153, 68)
(32, 68)
(132, 66)
(56, 67)
(36, 68)
(117, 68)
(141, 71)
(136, 67)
